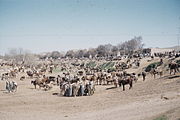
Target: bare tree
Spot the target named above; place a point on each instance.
(131, 45)
(55, 55)
(114, 50)
(19, 56)
(80, 53)
(101, 51)
(91, 52)
(70, 54)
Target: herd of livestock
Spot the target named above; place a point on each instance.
(75, 78)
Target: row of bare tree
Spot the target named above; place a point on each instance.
(109, 50)
(21, 55)
(102, 50)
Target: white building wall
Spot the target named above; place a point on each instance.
(160, 50)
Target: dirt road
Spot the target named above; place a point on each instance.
(145, 101)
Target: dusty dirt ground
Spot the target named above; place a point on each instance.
(145, 101)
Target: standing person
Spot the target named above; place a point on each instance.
(138, 63)
(8, 86)
(116, 81)
(70, 90)
(161, 61)
(58, 80)
(144, 75)
(51, 69)
(152, 57)
(81, 89)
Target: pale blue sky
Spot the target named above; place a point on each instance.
(47, 25)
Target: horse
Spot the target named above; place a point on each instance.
(124, 82)
(5, 76)
(173, 67)
(38, 82)
(30, 74)
(153, 72)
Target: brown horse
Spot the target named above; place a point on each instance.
(37, 82)
(126, 81)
